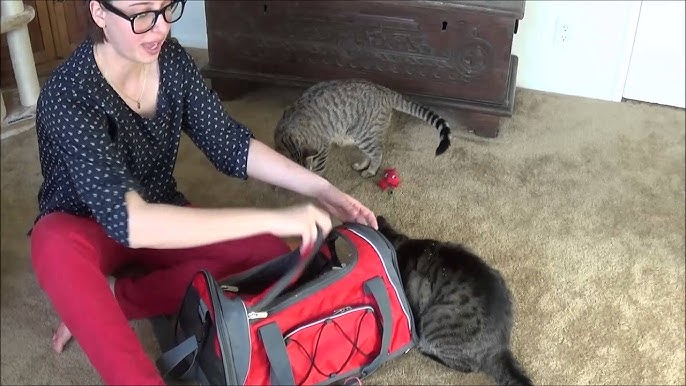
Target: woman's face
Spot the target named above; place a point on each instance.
(139, 47)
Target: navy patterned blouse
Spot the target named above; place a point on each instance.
(93, 148)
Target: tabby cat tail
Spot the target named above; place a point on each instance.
(427, 115)
(506, 370)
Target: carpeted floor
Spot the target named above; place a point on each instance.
(579, 203)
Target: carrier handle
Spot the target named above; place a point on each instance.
(377, 288)
(281, 372)
(291, 276)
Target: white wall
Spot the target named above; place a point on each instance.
(594, 59)
(191, 30)
(592, 63)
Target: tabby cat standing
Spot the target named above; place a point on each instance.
(346, 112)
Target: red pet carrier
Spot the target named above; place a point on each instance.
(335, 314)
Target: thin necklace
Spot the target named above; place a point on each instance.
(145, 80)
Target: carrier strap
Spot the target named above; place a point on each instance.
(170, 359)
(292, 274)
(377, 288)
(281, 372)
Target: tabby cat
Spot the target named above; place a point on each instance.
(462, 308)
(346, 112)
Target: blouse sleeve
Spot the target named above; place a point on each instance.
(79, 133)
(224, 141)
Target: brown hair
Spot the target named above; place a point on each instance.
(95, 33)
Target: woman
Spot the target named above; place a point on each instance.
(109, 122)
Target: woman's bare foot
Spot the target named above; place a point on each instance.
(63, 335)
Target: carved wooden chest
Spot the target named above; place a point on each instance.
(449, 53)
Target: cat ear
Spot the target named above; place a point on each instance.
(308, 156)
(308, 162)
(308, 152)
(385, 227)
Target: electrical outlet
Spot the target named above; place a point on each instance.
(562, 32)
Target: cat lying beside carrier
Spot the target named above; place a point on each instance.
(346, 112)
(462, 308)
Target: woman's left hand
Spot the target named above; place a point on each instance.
(267, 165)
(344, 207)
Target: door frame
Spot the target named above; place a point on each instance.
(625, 61)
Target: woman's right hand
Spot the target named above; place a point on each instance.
(302, 221)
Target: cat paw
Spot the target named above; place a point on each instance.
(368, 174)
(359, 166)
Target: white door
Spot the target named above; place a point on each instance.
(656, 70)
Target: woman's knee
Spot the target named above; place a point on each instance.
(59, 238)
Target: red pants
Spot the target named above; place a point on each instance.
(72, 257)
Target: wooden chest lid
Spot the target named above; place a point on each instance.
(514, 9)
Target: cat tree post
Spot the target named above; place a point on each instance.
(3, 114)
(15, 17)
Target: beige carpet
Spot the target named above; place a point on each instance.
(579, 203)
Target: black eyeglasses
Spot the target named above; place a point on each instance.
(144, 21)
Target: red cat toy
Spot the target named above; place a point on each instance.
(390, 180)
